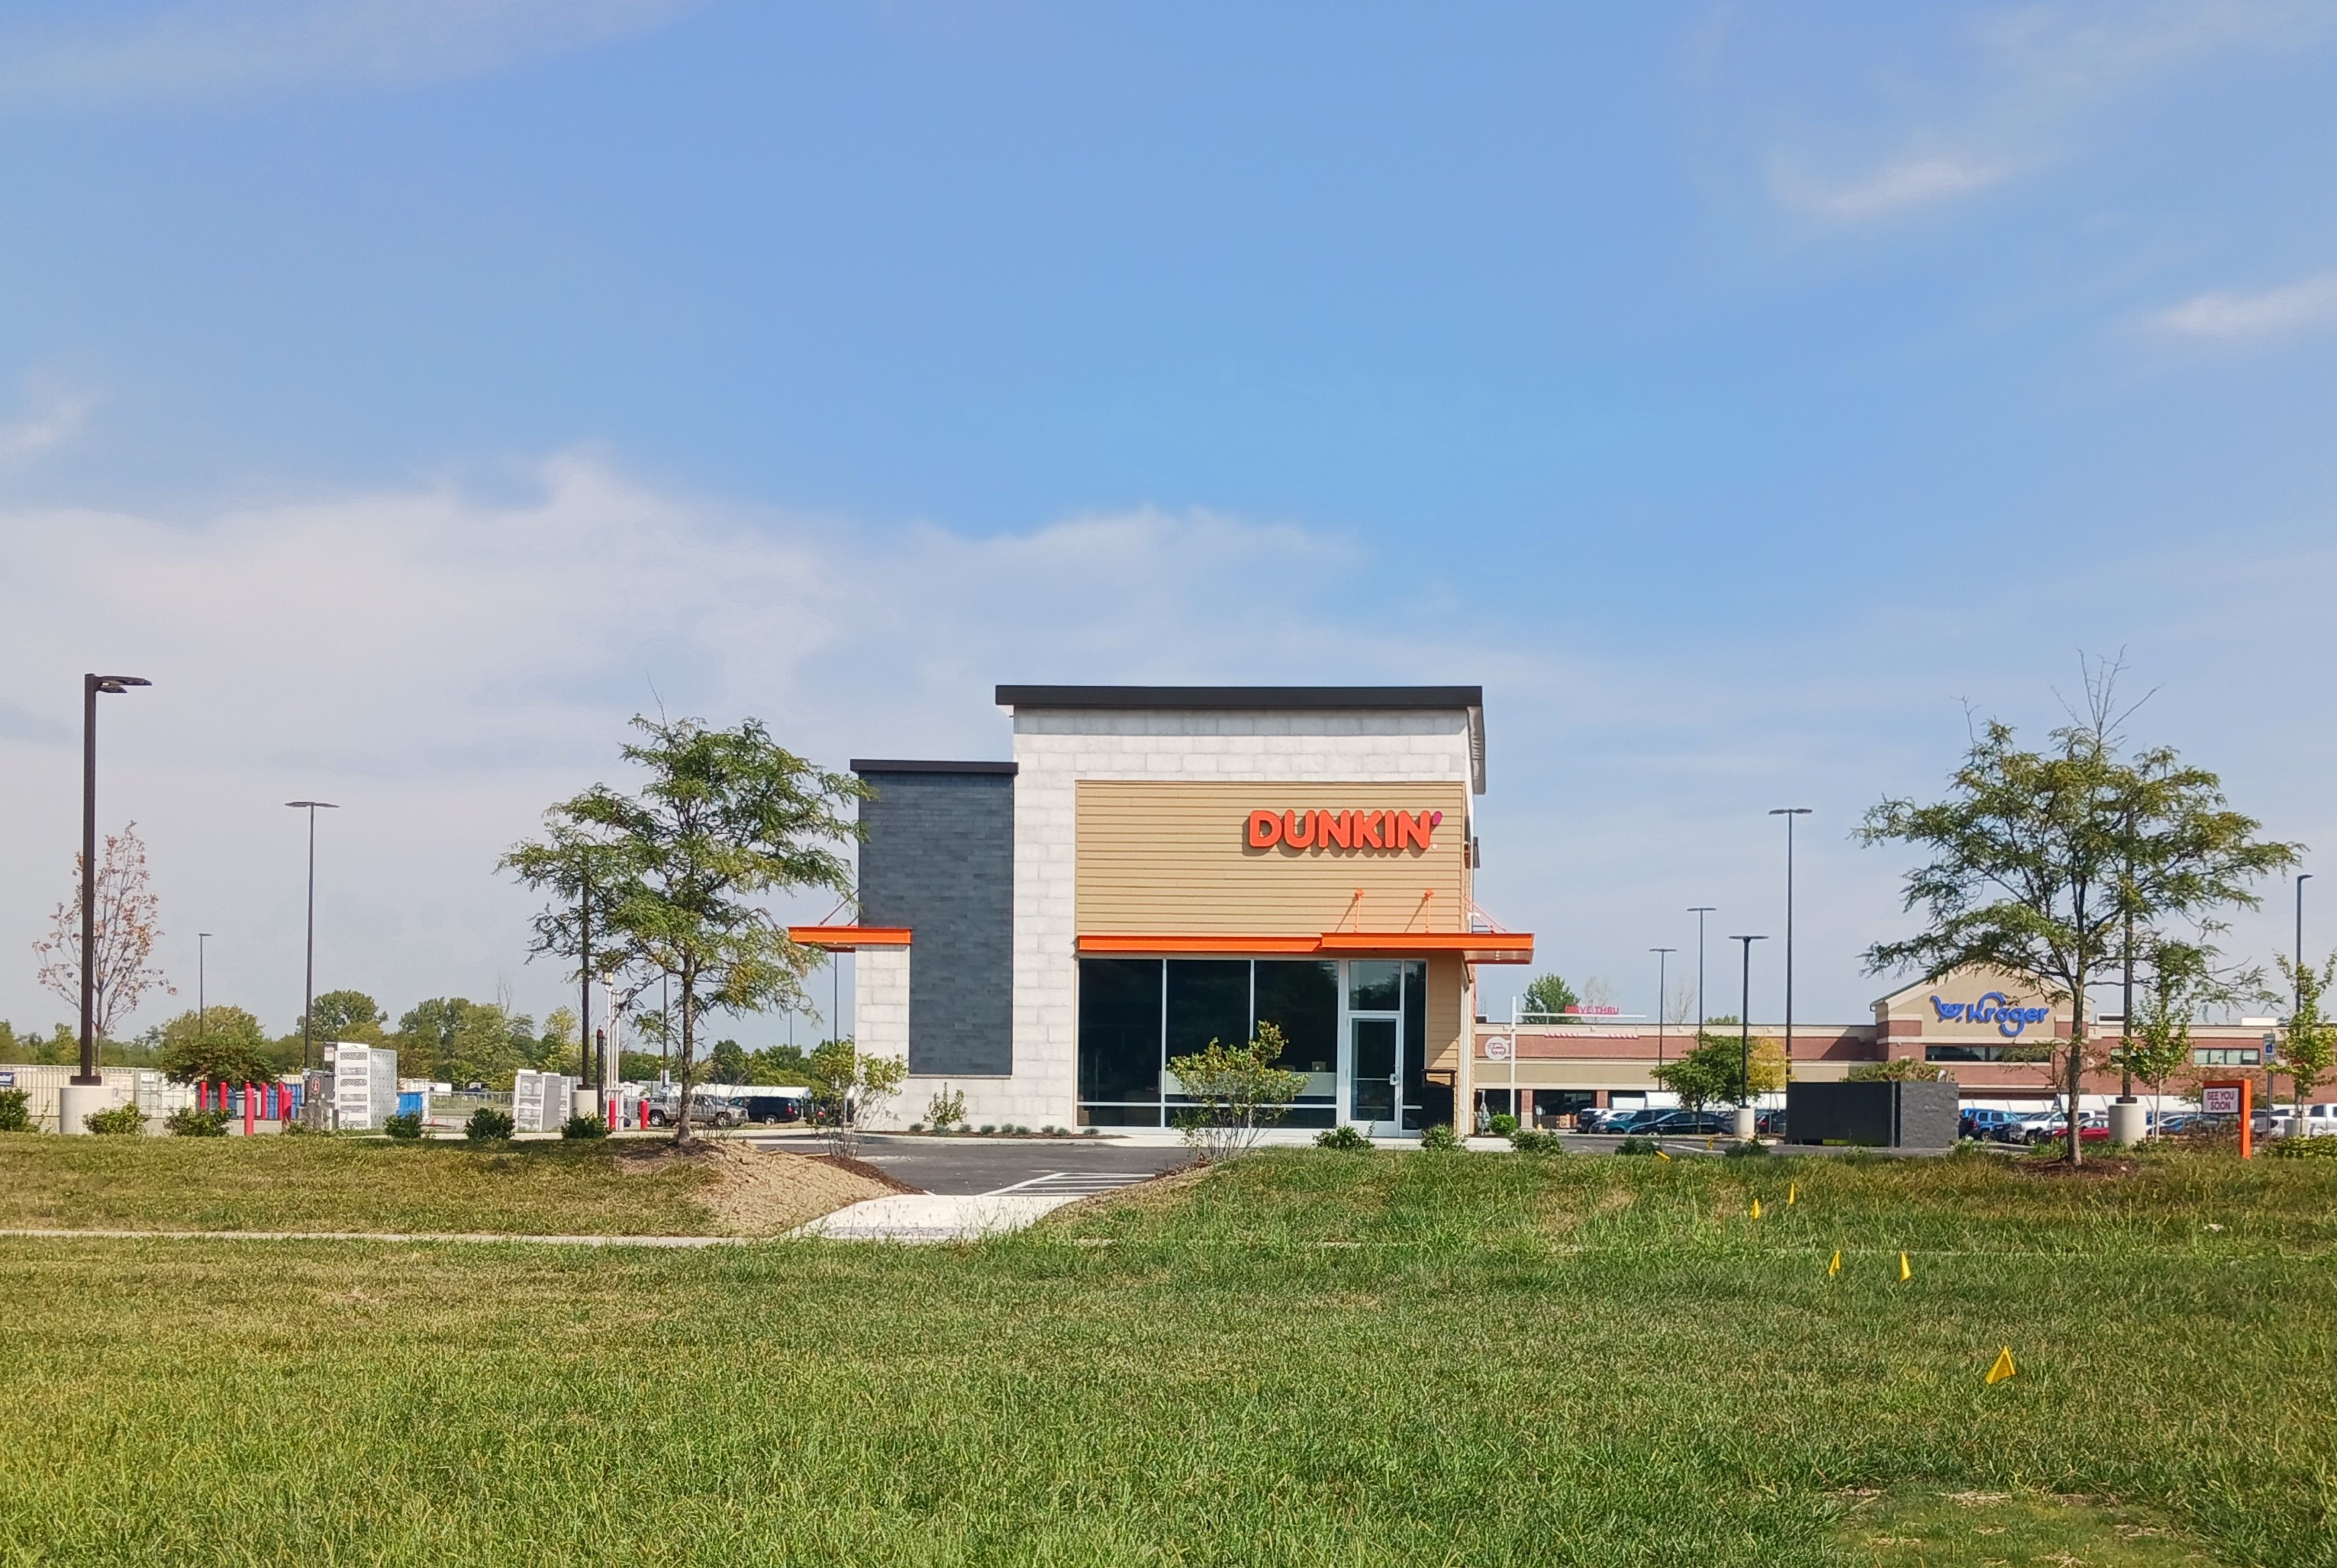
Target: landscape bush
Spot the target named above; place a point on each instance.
(187, 1122)
(116, 1122)
(405, 1127)
(2316, 1148)
(585, 1125)
(15, 1113)
(1635, 1144)
(1343, 1138)
(488, 1125)
(1440, 1139)
(1526, 1141)
(1503, 1126)
(1748, 1149)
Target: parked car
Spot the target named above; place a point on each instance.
(1771, 1123)
(1630, 1122)
(2283, 1122)
(1688, 1125)
(1982, 1122)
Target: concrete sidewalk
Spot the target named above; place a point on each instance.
(930, 1217)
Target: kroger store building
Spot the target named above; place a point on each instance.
(1161, 866)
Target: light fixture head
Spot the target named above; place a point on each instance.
(115, 685)
(329, 805)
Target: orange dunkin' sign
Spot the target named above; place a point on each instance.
(1315, 830)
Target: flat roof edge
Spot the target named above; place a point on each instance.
(907, 764)
(1251, 697)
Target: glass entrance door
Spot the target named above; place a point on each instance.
(1372, 1087)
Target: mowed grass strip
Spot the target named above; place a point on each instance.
(336, 1183)
(1583, 1361)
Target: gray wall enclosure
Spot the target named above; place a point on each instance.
(939, 859)
(1909, 1114)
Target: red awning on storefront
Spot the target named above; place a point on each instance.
(848, 938)
(1471, 946)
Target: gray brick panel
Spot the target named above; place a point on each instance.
(939, 859)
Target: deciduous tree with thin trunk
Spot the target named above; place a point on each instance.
(2039, 860)
(681, 871)
(126, 929)
(2309, 1051)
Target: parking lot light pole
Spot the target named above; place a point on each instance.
(1789, 814)
(72, 1107)
(1699, 912)
(1745, 1038)
(308, 987)
(1663, 957)
(2296, 1004)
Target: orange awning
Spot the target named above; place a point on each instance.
(848, 938)
(1473, 947)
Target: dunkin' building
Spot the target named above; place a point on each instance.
(1162, 866)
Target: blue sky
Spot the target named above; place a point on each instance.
(1736, 392)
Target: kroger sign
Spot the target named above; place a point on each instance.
(1991, 1009)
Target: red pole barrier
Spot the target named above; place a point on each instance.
(642, 1106)
(612, 1112)
(202, 1096)
(251, 1107)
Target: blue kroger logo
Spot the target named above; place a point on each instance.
(1991, 1009)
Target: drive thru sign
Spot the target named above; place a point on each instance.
(2230, 1097)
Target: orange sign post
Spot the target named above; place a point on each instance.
(2229, 1097)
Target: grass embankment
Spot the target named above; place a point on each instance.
(294, 1183)
(1302, 1358)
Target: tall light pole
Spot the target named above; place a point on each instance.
(308, 987)
(1699, 912)
(1744, 1023)
(202, 965)
(1789, 814)
(92, 688)
(1663, 957)
(2296, 1006)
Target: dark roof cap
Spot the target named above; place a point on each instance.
(1254, 697)
(899, 764)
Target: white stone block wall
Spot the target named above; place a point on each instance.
(1054, 748)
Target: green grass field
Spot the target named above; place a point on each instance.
(1302, 1358)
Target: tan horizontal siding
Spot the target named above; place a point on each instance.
(1174, 858)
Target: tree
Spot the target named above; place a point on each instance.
(227, 1045)
(2039, 861)
(1551, 994)
(125, 914)
(1236, 1092)
(1713, 1071)
(350, 1015)
(681, 871)
(2157, 1041)
(727, 1062)
(2310, 1049)
(462, 1041)
(583, 868)
(847, 1086)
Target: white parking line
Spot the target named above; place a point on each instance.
(1078, 1183)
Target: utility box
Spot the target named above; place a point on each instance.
(1883, 1114)
(360, 1085)
(540, 1100)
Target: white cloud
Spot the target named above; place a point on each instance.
(208, 50)
(2016, 89)
(59, 419)
(2222, 315)
(1917, 182)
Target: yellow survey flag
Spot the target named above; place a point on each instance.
(1905, 1272)
(2003, 1368)
(1791, 1187)
(1835, 1267)
(1661, 1156)
(1757, 1208)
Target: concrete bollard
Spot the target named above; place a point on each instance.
(76, 1101)
(251, 1108)
(1748, 1122)
(2129, 1122)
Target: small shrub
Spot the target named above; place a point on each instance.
(1635, 1144)
(582, 1127)
(946, 1109)
(988, 1127)
(15, 1116)
(187, 1122)
(2312, 1148)
(1748, 1149)
(488, 1125)
(405, 1127)
(1345, 1138)
(1440, 1139)
(1503, 1126)
(117, 1122)
(1526, 1141)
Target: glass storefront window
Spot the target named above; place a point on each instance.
(1374, 985)
(1119, 1030)
(1301, 997)
(1208, 999)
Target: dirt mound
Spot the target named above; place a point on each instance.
(2098, 1166)
(755, 1193)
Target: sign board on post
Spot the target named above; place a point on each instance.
(2233, 1097)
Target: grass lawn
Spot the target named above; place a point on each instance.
(1305, 1358)
(333, 1184)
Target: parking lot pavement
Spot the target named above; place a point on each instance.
(1038, 1166)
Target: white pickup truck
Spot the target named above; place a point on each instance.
(2318, 1122)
